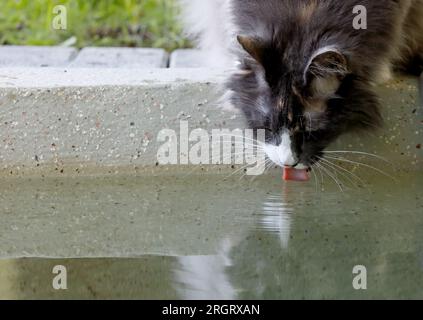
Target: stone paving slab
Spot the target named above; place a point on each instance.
(95, 57)
(35, 56)
(186, 58)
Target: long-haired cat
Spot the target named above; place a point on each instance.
(301, 69)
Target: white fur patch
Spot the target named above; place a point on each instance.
(282, 154)
(209, 22)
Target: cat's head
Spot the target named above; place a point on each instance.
(303, 101)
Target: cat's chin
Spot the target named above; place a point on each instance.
(301, 166)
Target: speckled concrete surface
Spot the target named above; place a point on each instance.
(401, 138)
(54, 119)
(80, 118)
(94, 57)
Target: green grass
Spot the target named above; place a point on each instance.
(133, 23)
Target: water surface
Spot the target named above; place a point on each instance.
(203, 236)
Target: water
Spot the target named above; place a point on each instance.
(201, 236)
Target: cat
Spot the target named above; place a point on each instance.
(301, 70)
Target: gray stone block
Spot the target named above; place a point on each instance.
(121, 58)
(186, 58)
(28, 56)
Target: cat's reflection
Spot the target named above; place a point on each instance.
(277, 219)
(305, 245)
(207, 277)
(421, 94)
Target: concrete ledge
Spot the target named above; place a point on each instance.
(82, 118)
(33, 78)
(120, 58)
(53, 119)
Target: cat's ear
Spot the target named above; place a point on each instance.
(325, 72)
(255, 47)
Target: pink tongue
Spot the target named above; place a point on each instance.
(292, 174)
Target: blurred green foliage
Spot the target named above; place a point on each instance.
(133, 23)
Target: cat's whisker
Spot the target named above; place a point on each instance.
(337, 173)
(317, 166)
(331, 176)
(337, 170)
(320, 173)
(242, 137)
(359, 153)
(254, 177)
(315, 179)
(364, 165)
(244, 144)
(345, 170)
(268, 165)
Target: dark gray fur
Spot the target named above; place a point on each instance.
(275, 79)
